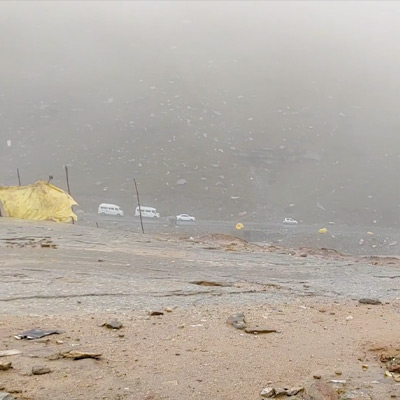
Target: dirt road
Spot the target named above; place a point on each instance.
(74, 279)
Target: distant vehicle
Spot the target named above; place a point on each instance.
(290, 221)
(110, 209)
(147, 212)
(185, 217)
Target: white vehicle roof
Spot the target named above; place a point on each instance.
(145, 208)
(107, 205)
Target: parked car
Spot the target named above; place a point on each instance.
(290, 221)
(110, 209)
(185, 217)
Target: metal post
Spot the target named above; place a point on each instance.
(69, 190)
(138, 200)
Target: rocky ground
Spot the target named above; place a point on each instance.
(167, 300)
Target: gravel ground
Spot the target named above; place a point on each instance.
(75, 278)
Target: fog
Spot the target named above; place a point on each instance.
(218, 109)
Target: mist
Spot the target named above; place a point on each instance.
(221, 109)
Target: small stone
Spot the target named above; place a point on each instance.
(322, 391)
(338, 372)
(349, 318)
(364, 367)
(317, 376)
(6, 396)
(267, 392)
(40, 370)
(280, 391)
(155, 312)
(168, 309)
(294, 390)
(114, 324)
(258, 331)
(79, 355)
(373, 302)
(5, 366)
(238, 321)
(12, 352)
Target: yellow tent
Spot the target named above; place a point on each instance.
(39, 201)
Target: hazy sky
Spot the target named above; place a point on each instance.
(332, 67)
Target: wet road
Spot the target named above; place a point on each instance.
(93, 270)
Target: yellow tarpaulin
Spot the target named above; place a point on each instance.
(39, 201)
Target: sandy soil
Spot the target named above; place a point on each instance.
(189, 351)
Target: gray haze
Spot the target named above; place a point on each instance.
(217, 108)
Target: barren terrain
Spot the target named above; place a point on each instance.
(75, 279)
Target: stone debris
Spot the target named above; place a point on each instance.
(238, 321)
(40, 370)
(155, 312)
(5, 366)
(393, 365)
(114, 324)
(269, 391)
(11, 352)
(322, 391)
(79, 355)
(36, 334)
(373, 302)
(6, 396)
(258, 331)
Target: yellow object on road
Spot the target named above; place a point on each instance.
(323, 230)
(239, 226)
(39, 201)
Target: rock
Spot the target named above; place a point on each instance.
(338, 372)
(394, 364)
(258, 331)
(238, 321)
(317, 376)
(13, 352)
(373, 302)
(79, 355)
(208, 283)
(267, 392)
(153, 313)
(6, 396)
(168, 309)
(322, 391)
(280, 391)
(5, 366)
(349, 318)
(40, 370)
(114, 324)
(294, 390)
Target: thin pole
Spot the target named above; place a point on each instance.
(138, 201)
(69, 190)
(19, 178)
(66, 175)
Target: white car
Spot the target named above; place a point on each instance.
(185, 217)
(110, 209)
(290, 221)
